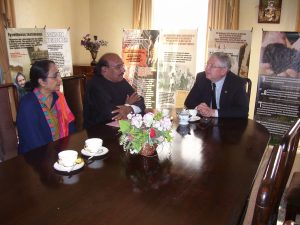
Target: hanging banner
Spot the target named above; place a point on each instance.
(176, 67)
(278, 91)
(160, 65)
(59, 50)
(139, 53)
(236, 43)
(25, 45)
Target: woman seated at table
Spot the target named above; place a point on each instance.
(43, 114)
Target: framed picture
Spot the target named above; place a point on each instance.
(269, 11)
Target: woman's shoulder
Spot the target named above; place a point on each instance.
(58, 94)
(28, 100)
(28, 97)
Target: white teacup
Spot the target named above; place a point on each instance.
(67, 158)
(193, 112)
(93, 144)
(183, 118)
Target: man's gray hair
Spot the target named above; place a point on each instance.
(224, 59)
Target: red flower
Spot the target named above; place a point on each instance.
(152, 133)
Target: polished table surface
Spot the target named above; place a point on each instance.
(204, 177)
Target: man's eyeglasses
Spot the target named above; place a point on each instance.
(118, 67)
(212, 66)
(55, 76)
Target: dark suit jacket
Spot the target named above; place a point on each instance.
(102, 97)
(233, 100)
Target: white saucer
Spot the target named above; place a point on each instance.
(183, 123)
(62, 168)
(194, 118)
(88, 153)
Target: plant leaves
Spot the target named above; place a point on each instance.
(124, 126)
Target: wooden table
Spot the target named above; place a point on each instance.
(205, 177)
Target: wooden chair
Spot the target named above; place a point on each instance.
(74, 90)
(293, 198)
(9, 101)
(275, 177)
(248, 84)
(290, 222)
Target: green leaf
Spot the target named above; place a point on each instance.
(124, 126)
(158, 116)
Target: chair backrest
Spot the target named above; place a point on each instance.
(74, 90)
(275, 177)
(290, 222)
(9, 101)
(248, 84)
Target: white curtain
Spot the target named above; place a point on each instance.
(142, 14)
(223, 14)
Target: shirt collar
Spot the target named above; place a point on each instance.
(220, 83)
(42, 98)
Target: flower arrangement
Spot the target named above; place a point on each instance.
(138, 131)
(92, 45)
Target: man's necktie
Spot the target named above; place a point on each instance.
(213, 96)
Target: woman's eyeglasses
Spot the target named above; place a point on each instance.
(55, 76)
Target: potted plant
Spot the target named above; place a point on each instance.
(92, 45)
(142, 134)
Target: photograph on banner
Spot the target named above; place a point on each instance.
(139, 53)
(176, 66)
(59, 50)
(278, 93)
(25, 46)
(236, 43)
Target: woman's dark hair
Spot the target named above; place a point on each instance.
(39, 70)
(17, 76)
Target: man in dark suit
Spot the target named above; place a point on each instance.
(230, 90)
(108, 95)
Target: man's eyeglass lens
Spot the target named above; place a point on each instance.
(118, 67)
(213, 66)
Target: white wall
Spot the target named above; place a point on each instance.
(104, 18)
(248, 20)
(108, 19)
(57, 14)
